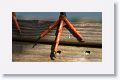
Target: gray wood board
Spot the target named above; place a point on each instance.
(31, 29)
(23, 52)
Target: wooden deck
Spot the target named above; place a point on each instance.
(72, 49)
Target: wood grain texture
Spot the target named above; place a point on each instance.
(30, 30)
(72, 49)
(23, 52)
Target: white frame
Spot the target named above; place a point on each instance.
(104, 67)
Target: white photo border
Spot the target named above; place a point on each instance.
(104, 67)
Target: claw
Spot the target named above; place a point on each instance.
(19, 32)
(36, 42)
(52, 55)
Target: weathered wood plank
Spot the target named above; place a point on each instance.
(92, 32)
(23, 52)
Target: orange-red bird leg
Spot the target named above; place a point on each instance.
(72, 28)
(16, 22)
(49, 29)
(46, 31)
(58, 36)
